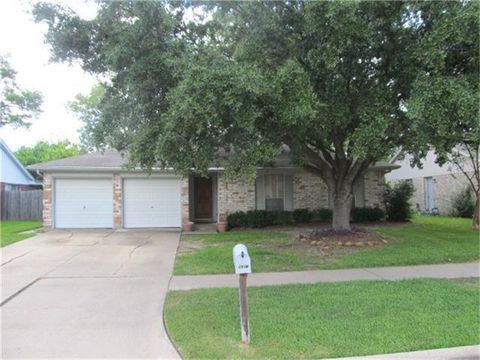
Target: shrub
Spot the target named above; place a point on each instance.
(463, 204)
(397, 201)
(367, 214)
(236, 219)
(302, 216)
(259, 218)
(324, 215)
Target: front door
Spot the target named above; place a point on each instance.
(429, 194)
(203, 197)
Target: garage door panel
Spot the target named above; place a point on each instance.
(83, 203)
(152, 203)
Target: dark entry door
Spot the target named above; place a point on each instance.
(203, 198)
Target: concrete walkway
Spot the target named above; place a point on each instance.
(448, 271)
(87, 294)
(456, 353)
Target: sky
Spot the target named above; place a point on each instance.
(22, 42)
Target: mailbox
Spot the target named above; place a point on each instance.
(241, 260)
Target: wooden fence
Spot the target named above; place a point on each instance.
(21, 205)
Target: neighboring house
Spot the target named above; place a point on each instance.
(435, 186)
(13, 175)
(96, 191)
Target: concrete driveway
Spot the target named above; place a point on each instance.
(95, 294)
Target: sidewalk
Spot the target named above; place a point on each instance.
(445, 271)
(456, 353)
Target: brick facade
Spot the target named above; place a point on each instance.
(309, 191)
(446, 188)
(117, 201)
(375, 184)
(234, 195)
(47, 201)
(185, 201)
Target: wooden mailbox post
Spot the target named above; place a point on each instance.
(243, 267)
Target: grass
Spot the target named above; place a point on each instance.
(326, 320)
(10, 230)
(427, 240)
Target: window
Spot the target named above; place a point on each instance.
(274, 192)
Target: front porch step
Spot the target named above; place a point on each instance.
(202, 229)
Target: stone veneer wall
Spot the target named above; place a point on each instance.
(47, 201)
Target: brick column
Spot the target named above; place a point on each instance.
(185, 201)
(117, 201)
(222, 198)
(47, 201)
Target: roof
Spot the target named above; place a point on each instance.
(107, 160)
(111, 160)
(18, 165)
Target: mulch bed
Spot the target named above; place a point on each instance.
(329, 241)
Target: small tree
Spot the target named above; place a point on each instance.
(17, 106)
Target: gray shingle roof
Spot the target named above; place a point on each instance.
(110, 159)
(114, 160)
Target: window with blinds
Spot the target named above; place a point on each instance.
(274, 192)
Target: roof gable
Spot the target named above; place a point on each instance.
(13, 172)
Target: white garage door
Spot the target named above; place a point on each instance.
(83, 203)
(151, 203)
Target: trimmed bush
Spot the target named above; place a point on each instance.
(263, 218)
(302, 216)
(324, 215)
(367, 214)
(463, 204)
(397, 201)
(259, 218)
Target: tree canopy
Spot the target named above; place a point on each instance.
(444, 106)
(44, 151)
(87, 109)
(329, 79)
(17, 106)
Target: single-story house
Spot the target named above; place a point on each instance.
(95, 190)
(435, 186)
(13, 175)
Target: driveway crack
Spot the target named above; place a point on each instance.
(130, 256)
(16, 257)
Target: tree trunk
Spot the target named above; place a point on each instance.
(342, 206)
(476, 212)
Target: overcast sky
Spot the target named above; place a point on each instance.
(22, 41)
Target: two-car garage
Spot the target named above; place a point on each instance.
(146, 202)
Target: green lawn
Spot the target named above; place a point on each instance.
(427, 240)
(10, 229)
(326, 320)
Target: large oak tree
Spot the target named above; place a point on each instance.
(328, 79)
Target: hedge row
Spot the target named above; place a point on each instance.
(262, 218)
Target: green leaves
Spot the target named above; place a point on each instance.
(17, 106)
(44, 151)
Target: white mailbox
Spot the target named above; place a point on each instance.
(241, 260)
